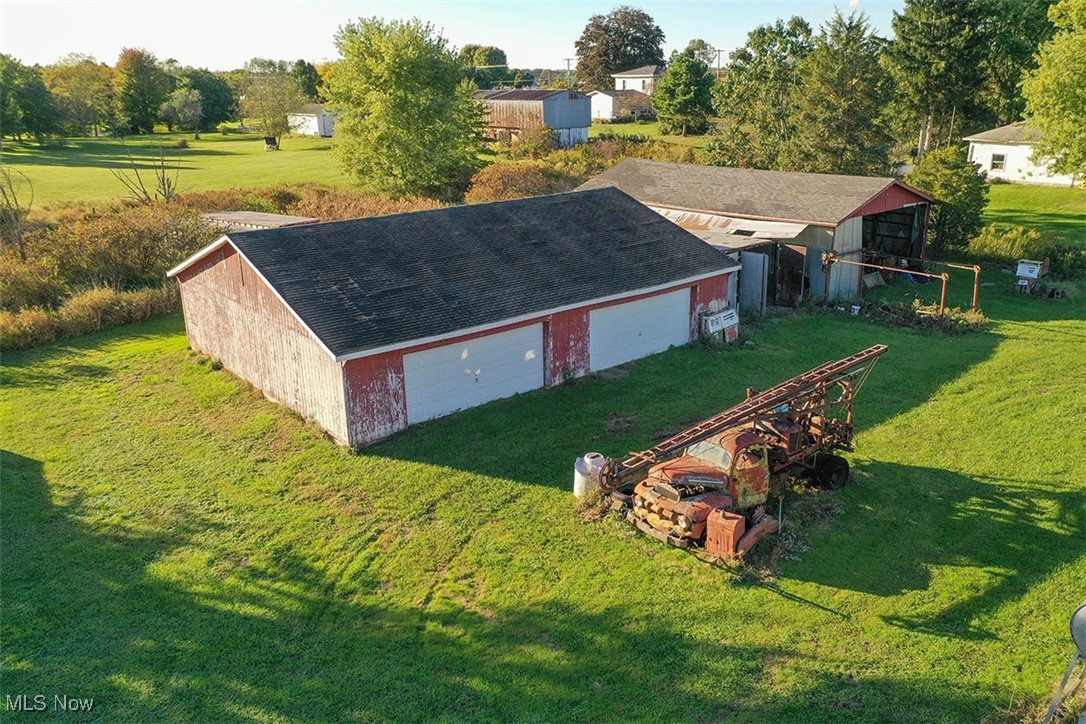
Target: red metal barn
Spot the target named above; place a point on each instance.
(369, 325)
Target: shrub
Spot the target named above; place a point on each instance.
(503, 181)
(951, 178)
(1010, 245)
(180, 143)
(223, 128)
(533, 143)
(89, 311)
(30, 283)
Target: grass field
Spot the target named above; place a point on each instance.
(649, 129)
(177, 547)
(1052, 209)
(80, 170)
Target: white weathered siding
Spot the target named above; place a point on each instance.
(1017, 166)
(232, 315)
(603, 106)
(848, 240)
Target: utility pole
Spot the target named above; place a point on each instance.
(569, 76)
(718, 52)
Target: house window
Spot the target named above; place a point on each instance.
(623, 85)
(999, 162)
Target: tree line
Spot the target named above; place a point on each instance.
(80, 96)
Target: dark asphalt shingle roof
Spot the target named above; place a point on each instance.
(1019, 132)
(779, 195)
(643, 70)
(368, 283)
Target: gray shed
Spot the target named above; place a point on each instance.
(568, 113)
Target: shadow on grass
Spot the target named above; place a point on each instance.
(1010, 534)
(107, 154)
(535, 437)
(96, 610)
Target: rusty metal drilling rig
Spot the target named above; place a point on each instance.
(708, 486)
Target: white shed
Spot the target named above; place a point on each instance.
(1005, 153)
(312, 120)
(608, 105)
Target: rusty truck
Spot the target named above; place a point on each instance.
(708, 486)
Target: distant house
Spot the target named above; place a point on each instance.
(608, 105)
(1005, 152)
(640, 79)
(509, 112)
(312, 120)
(370, 325)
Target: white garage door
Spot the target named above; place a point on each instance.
(628, 331)
(459, 376)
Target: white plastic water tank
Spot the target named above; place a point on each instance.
(586, 473)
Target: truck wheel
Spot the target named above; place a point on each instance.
(831, 472)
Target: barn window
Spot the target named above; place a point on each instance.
(999, 161)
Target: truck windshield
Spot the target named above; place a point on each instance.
(711, 453)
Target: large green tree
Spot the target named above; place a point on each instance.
(839, 102)
(487, 66)
(26, 105)
(937, 62)
(184, 108)
(683, 99)
(624, 39)
(271, 92)
(408, 122)
(1056, 91)
(1015, 30)
(756, 93)
(961, 190)
(218, 102)
(308, 79)
(141, 87)
(83, 89)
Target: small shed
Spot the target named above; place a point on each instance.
(312, 120)
(610, 105)
(509, 112)
(807, 213)
(1007, 153)
(370, 325)
(642, 79)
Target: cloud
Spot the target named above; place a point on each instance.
(853, 4)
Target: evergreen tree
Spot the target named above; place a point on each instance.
(1016, 29)
(308, 80)
(1056, 91)
(837, 110)
(683, 99)
(624, 39)
(937, 63)
(408, 122)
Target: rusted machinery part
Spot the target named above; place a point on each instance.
(608, 477)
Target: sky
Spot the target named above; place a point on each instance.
(225, 34)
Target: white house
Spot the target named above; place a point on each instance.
(1005, 152)
(639, 79)
(607, 105)
(312, 120)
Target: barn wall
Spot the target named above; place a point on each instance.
(232, 315)
(376, 397)
(513, 115)
(567, 110)
(709, 295)
(566, 343)
(848, 244)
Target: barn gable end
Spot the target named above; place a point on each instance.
(231, 314)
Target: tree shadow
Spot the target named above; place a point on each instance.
(100, 610)
(1011, 534)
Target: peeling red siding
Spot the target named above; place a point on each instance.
(231, 314)
(376, 397)
(708, 295)
(566, 342)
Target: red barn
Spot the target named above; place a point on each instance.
(369, 325)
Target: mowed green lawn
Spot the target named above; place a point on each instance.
(175, 546)
(80, 170)
(1056, 210)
